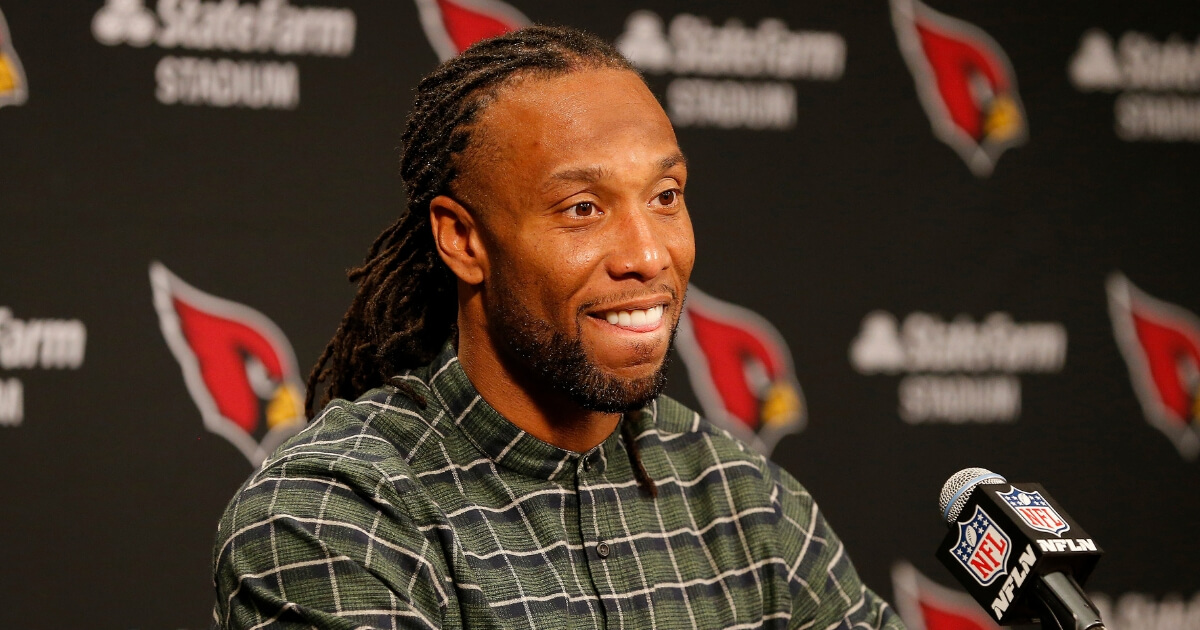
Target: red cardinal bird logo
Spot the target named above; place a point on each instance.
(13, 89)
(238, 366)
(964, 81)
(740, 369)
(927, 605)
(453, 25)
(1161, 345)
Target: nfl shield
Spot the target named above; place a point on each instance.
(982, 548)
(1033, 508)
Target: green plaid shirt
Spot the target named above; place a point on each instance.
(420, 506)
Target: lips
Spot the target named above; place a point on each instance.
(638, 315)
(635, 318)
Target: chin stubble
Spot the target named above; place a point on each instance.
(562, 363)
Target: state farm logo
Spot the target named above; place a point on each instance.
(237, 364)
(741, 370)
(1161, 345)
(731, 76)
(13, 88)
(269, 28)
(965, 82)
(1158, 83)
(34, 344)
(124, 22)
(958, 371)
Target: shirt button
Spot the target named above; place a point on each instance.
(602, 550)
(587, 464)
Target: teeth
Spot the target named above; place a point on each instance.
(637, 318)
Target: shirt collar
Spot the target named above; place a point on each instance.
(499, 439)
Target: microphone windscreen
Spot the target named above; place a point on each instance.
(957, 490)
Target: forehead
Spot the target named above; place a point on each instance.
(603, 117)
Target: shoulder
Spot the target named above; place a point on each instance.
(379, 429)
(679, 427)
(331, 505)
(340, 479)
(694, 444)
(348, 433)
(343, 464)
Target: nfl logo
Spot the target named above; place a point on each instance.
(1035, 511)
(982, 548)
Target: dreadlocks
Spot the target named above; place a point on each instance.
(406, 306)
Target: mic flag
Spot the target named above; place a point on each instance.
(1008, 542)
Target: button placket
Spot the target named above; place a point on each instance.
(597, 530)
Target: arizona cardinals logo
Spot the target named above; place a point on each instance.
(13, 89)
(741, 370)
(964, 81)
(927, 605)
(238, 366)
(453, 25)
(1161, 345)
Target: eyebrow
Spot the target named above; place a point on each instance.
(672, 160)
(587, 174)
(593, 174)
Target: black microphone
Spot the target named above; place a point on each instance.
(1017, 552)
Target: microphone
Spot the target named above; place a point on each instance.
(1017, 552)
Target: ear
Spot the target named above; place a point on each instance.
(456, 236)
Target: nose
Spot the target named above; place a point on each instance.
(639, 249)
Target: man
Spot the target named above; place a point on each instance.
(508, 461)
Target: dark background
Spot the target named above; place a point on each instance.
(112, 486)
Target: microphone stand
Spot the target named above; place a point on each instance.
(1064, 605)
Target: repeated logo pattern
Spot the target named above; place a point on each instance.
(238, 366)
(958, 371)
(13, 88)
(1156, 81)
(34, 344)
(731, 75)
(272, 31)
(965, 82)
(453, 25)
(741, 370)
(1161, 345)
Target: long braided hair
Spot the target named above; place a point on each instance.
(406, 306)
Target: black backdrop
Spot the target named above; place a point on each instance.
(929, 237)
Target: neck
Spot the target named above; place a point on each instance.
(535, 408)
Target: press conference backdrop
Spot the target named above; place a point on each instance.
(931, 235)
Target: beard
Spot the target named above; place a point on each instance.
(562, 363)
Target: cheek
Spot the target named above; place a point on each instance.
(682, 245)
(577, 257)
(563, 267)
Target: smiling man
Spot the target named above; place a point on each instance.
(508, 460)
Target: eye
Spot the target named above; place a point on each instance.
(668, 197)
(583, 210)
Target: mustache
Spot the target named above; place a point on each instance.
(629, 296)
